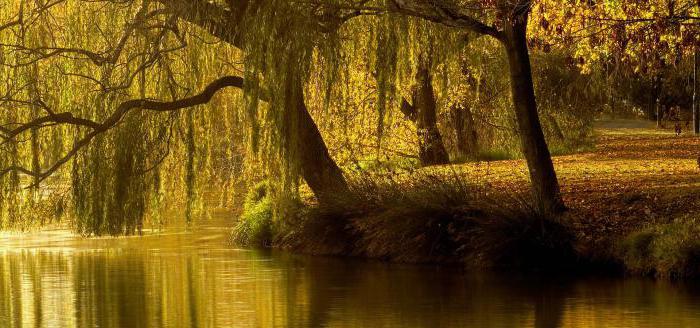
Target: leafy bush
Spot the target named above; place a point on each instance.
(490, 155)
(668, 251)
(255, 225)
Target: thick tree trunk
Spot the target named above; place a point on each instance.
(318, 169)
(431, 147)
(544, 181)
(465, 130)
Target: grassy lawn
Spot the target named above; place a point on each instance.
(635, 175)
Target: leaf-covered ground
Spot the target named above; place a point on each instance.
(635, 175)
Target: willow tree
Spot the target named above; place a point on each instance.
(279, 39)
(423, 108)
(122, 91)
(121, 86)
(423, 112)
(424, 60)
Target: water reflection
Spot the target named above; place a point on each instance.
(195, 280)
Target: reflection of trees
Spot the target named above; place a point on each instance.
(357, 293)
(192, 292)
(242, 289)
(550, 300)
(109, 290)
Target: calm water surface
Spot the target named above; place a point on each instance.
(194, 279)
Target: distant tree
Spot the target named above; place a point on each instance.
(423, 112)
(647, 37)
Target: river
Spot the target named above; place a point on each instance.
(196, 279)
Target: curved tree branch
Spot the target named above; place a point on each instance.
(113, 120)
(438, 12)
(215, 19)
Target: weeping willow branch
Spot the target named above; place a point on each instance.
(112, 121)
(97, 58)
(225, 22)
(216, 20)
(439, 12)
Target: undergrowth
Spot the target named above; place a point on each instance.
(255, 225)
(422, 218)
(667, 251)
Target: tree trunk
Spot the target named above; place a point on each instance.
(558, 133)
(432, 149)
(545, 185)
(696, 89)
(465, 130)
(653, 112)
(318, 169)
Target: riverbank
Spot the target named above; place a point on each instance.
(626, 196)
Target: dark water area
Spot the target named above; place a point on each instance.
(196, 279)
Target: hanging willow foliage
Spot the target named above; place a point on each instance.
(106, 53)
(85, 58)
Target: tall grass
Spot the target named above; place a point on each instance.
(667, 251)
(421, 217)
(255, 226)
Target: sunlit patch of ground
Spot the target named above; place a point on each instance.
(636, 174)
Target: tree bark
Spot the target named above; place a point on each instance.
(545, 185)
(465, 130)
(318, 168)
(696, 89)
(423, 113)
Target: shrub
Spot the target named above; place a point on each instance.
(514, 234)
(669, 251)
(492, 155)
(255, 225)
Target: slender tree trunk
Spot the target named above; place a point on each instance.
(696, 89)
(654, 110)
(318, 169)
(558, 133)
(465, 130)
(432, 149)
(659, 113)
(544, 181)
